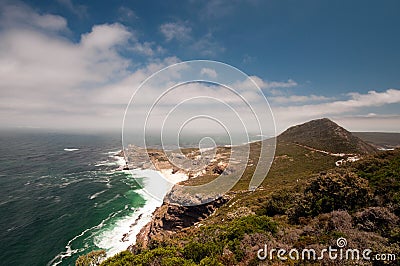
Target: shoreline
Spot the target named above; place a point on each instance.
(128, 229)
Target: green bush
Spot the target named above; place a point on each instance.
(278, 204)
(207, 261)
(250, 224)
(174, 261)
(148, 257)
(383, 174)
(333, 191)
(197, 251)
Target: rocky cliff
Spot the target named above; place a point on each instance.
(169, 218)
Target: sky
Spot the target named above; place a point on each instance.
(74, 65)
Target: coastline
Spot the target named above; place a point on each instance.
(126, 231)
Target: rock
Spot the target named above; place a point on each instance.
(169, 218)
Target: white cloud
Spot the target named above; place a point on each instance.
(377, 123)
(248, 84)
(208, 72)
(19, 15)
(176, 30)
(290, 115)
(103, 37)
(279, 84)
(298, 99)
(48, 80)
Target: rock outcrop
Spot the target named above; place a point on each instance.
(169, 218)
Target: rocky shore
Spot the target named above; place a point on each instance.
(191, 167)
(169, 217)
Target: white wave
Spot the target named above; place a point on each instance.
(65, 184)
(123, 233)
(97, 194)
(71, 149)
(109, 201)
(69, 251)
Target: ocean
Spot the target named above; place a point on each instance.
(62, 195)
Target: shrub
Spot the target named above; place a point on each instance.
(207, 261)
(93, 258)
(333, 191)
(278, 203)
(174, 261)
(122, 258)
(376, 219)
(250, 224)
(197, 251)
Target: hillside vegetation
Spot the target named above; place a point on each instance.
(360, 202)
(304, 202)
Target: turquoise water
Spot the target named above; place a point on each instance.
(61, 196)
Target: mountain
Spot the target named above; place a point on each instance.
(324, 134)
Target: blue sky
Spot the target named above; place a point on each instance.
(322, 56)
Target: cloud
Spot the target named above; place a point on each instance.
(79, 10)
(289, 115)
(248, 84)
(204, 45)
(247, 59)
(278, 84)
(298, 99)
(217, 9)
(176, 30)
(207, 46)
(48, 80)
(126, 14)
(377, 123)
(208, 72)
(21, 16)
(104, 37)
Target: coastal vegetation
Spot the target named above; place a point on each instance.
(305, 201)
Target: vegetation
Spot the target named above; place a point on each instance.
(305, 201)
(93, 258)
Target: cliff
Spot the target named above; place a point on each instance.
(169, 218)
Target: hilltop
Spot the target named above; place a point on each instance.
(324, 134)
